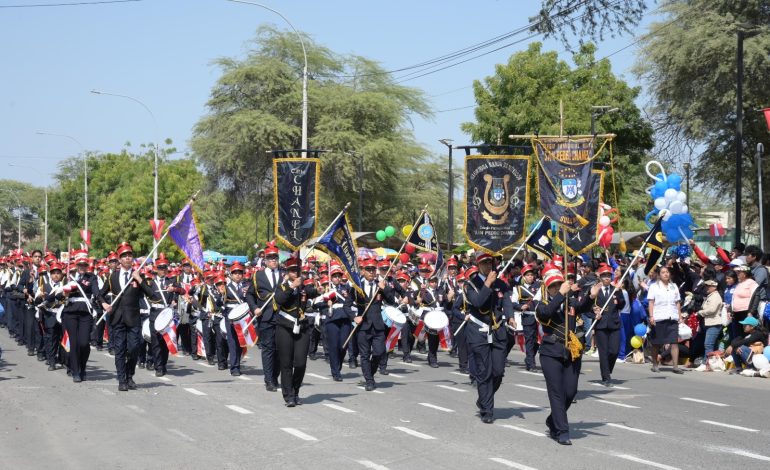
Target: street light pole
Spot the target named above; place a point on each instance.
(599, 111)
(450, 217)
(85, 173)
(738, 135)
(304, 70)
(760, 152)
(157, 144)
(687, 180)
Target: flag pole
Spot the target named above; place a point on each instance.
(522, 245)
(390, 268)
(155, 247)
(270, 298)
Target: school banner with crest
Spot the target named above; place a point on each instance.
(564, 178)
(295, 194)
(496, 201)
(582, 240)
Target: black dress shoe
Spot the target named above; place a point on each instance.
(478, 405)
(312, 356)
(210, 361)
(76, 379)
(487, 419)
(370, 387)
(474, 384)
(122, 387)
(384, 372)
(235, 373)
(337, 378)
(408, 360)
(160, 373)
(111, 352)
(100, 348)
(40, 358)
(290, 403)
(297, 401)
(31, 353)
(131, 384)
(52, 367)
(271, 388)
(69, 373)
(194, 357)
(433, 365)
(464, 370)
(607, 383)
(221, 367)
(565, 442)
(141, 365)
(82, 376)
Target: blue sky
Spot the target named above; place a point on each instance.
(159, 51)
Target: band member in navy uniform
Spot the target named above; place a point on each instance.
(607, 329)
(264, 284)
(459, 309)
(77, 316)
(125, 327)
(236, 294)
(53, 329)
(430, 297)
(292, 332)
(521, 300)
(560, 363)
(486, 333)
(162, 296)
(372, 329)
(217, 305)
(338, 321)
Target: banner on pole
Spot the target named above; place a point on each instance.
(496, 201)
(585, 238)
(295, 191)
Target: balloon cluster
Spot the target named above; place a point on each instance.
(382, 235)
(640, 331)
(670, 203)
(605, 223)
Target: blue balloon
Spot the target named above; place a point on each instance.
(674, 181)
(767, 352)
(659, 190)
(682, 251)
(641, 330)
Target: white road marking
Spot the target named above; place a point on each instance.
(106, 355)
(510, 464)
(182, 435)
(338, 408)
(454, 389)
(373, 391)
(627, 428)
(195, 392)
(525, 405)
(529, 372)
(414, 433)
(299, 434)
(372, 465)
(396, 375)
(524, 430)
(135, 408)
(243, 377)
(616, 403)
(751, 455)
(165, 379)
(646, 462)
(240, 410)
(408, 364)
(436, 407)
(459, 373)
(532, 387)
(705, 402)
(204, 364)
(731, 426)
(597, 384)
(318, 376)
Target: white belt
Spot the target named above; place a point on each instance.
(338, 306)
(160, 306)
(78, 299)
(285, 315)
(484, 328)
(527, 312)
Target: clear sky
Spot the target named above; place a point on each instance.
(159, 51)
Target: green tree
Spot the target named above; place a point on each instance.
(688, 61)
(353, 106)
(25, 199)
(522, 97)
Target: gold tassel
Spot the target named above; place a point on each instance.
(581, 220)
(622, 246)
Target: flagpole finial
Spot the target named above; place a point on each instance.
(346, 206)
(195, 196)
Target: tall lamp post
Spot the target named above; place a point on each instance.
(45, 223)
(597, 112)
(304, 70)
(157, 145)
(758, 158)
(85, 179)
(687, 181)
(450, 217)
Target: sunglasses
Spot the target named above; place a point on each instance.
(370, 269)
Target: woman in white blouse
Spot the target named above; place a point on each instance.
(664, 315)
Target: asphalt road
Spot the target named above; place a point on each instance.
(199, 417)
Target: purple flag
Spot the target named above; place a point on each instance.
(185, 234)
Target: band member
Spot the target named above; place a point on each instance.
(28, 286)
(412, 319)
(264, 284)
(188, 333)
(49, 307)
(459, 309)
(607, 329)
(486, 334)
(292, 332)
(338, 322)
(127, 288)
(429, 298)
(217, 299)
(235, 294)
(560, 351)
(77, 315)
(162, 297)
(202, 310)
(372, 329)
(521, 301)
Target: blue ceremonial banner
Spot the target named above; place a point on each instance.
(184, 232)
(338, 243)
(423, 236)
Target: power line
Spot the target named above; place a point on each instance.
(69, 4)
(456, 109)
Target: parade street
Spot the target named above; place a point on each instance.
(198, 417)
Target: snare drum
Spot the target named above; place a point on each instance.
(164, 319)
(392, 316)
(238, 312)
(436, 319)
(517, 318)
(223, 328)
(146, 330)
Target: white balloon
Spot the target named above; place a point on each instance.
(660, 203)
(667, 215)
(675, 207)
(670, 194)
(681, 197)
(604, 221)
(685, 209)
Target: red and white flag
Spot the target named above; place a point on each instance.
(200, 347)
(392, 339)
(247, 335)
(157, 228)
(445, 338)
(86, 236)
(717, 230)
(169, 336)
(65, 341)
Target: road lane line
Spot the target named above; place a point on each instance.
(243, 377)
(299, 434)
(628, 428)
(195, 392)
(409, 364)
(459, 373)
(751, 455)
(617, 404)
(135, 408)
(436, 407)
(529, 372)
(204, 364)
(414, 433)
(731, 426)
(532, 387)
(338, 408)
(597, 384)
(373, 391)
(524, 430)
(181, 434)
(318, 376)
(510, 464)
(396, 375)
(240, 410)
(645, 462)
(705, 402)
(525, 405)
(454, 389)
(372, 465)
(165, 379)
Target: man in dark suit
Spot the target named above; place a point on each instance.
(607, 323)
(263, 285)
(372, 329)
(125, 328)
